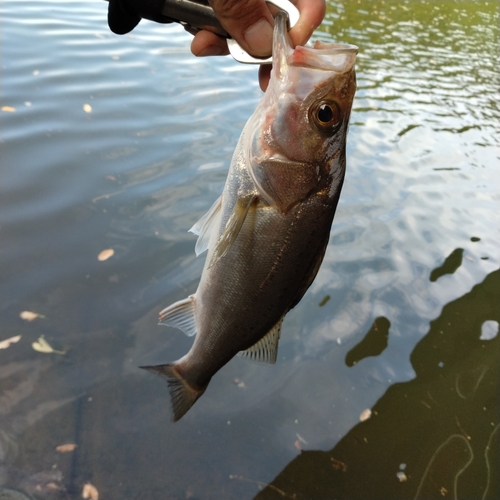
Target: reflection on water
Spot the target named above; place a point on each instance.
(431, 437)
(373, 343)
(450, 264)
(124, 142)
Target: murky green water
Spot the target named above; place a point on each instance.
(401, 320)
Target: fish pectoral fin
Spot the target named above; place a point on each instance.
(232, 228)
(266, 349)
(180, 315)
(206, 225)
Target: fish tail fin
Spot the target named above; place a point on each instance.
(182, 395)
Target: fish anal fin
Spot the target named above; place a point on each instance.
(180, 315)
(233, 226)
(182, 395)
(266, 349)
(206, 225)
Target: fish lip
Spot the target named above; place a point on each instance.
(333, 48)
(333, 57)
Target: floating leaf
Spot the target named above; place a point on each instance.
(30, 315)
(105, 254)
(301, 439)
(8, 109)
(87, 108)
(365, 415)
(403, 477)
(239, 383)
(51, 487)
(6, 343)
(41, 345)
(90, 492)
(66, 448)
(324, 301)
(338, 465)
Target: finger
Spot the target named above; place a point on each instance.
(312, 13)
(249, 22)
(205, 43)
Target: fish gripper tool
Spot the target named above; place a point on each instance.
(194, 15)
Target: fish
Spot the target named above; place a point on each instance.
(267, 234)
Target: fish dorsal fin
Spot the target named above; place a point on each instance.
(180, 315)
(266, 349)
(232, 228)
(206, 225)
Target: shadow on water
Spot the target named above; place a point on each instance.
(435, 436)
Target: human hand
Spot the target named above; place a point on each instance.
(250, 23)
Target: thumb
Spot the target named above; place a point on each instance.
(249, 22)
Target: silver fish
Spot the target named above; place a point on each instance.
(267, 234)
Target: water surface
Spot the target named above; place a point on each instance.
(122, 143)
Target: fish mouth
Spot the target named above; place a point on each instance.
(333, 57)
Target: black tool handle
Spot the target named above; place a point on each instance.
(125, 15)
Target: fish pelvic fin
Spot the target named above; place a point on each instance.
(266, 349)
(206, 226)
(182, 395)
(180, 314)
(232, 228)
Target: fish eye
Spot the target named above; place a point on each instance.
(326, 115)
